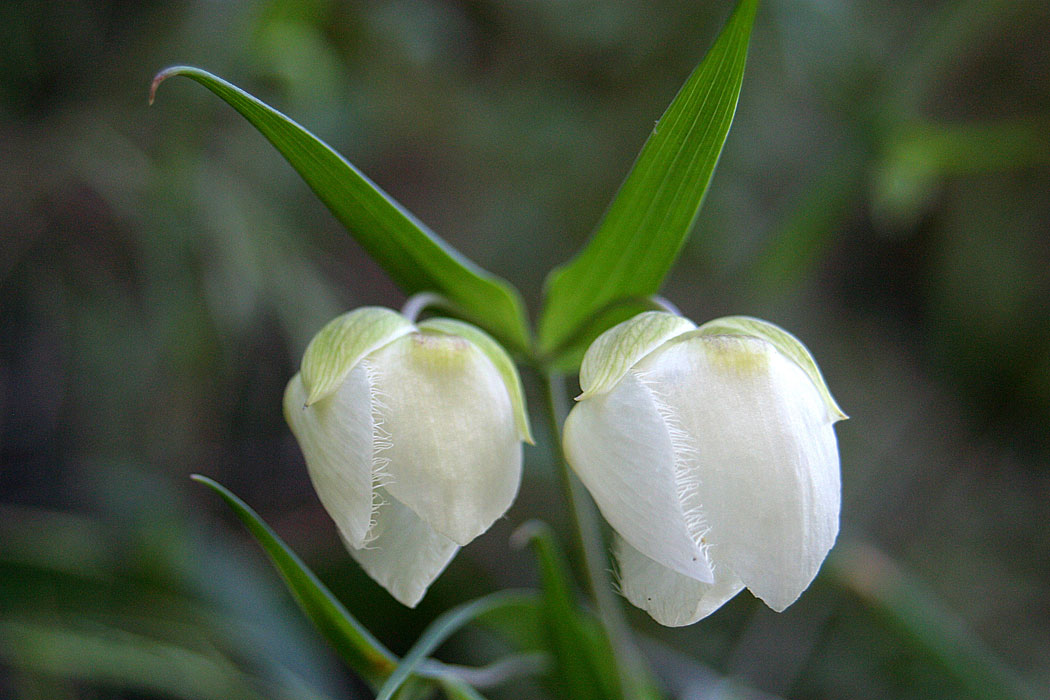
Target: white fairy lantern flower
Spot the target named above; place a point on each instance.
(711, 453)
(412, 437)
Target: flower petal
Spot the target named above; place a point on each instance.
(670, 598)
(788, 345)
(454, 455)
(336, 437)
(621, 447)
(499, 359)
(768, 461)
(405, 555)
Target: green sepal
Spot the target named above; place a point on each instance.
(618, 349)
(499, 359)
(787, 344)
(343, 342)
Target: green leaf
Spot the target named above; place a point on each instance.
(446, 625)
(584, 663)
(415, 257)
(917, 155)
(650, 217)
(355, 644)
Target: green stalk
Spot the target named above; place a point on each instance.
(584, 519)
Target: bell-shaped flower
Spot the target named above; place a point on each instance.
(412, 436)
(711, 452)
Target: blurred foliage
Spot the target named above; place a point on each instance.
(883, 194)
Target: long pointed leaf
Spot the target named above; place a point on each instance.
(446, 625)
(358, 647)
(652, 214)
(415, 257)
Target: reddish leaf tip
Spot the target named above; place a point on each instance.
(160, 78)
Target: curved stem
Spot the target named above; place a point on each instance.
(497, 673)
(416, 303)
(584, 517)
(665, 304)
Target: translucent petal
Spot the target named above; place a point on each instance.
(343, 342)
(621, 447)
(454, 453)
(768, 464)
(788, 345)
(405, 555)
(335, 435)
(616, 350)
(670, 598)
(499, 359)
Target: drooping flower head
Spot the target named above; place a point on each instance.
(711, 452)
(412, 437)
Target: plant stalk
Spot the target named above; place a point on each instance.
(585, 523)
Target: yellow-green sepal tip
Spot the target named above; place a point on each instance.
(618, 349)
(499, 359)
(343, 342)
(787, 344)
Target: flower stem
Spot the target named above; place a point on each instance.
(416, 303)
(584, 518)
(664, 304)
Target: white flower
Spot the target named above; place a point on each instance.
(412, 437)
(711, 453)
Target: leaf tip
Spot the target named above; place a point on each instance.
(201, 479)
(160, 78)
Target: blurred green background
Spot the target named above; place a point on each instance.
(884, 194)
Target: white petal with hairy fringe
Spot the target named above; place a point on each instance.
(669, 597)
(768, 467)
(623, 448)
(454, 455)
(404, 555)
(336, 435)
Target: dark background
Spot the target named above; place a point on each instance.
(883, 194)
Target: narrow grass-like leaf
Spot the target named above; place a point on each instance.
(446, 625)
(584, 663)
(652, 214)
(415, 257)
(363, 652)
(922, 619)
(95, 654)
